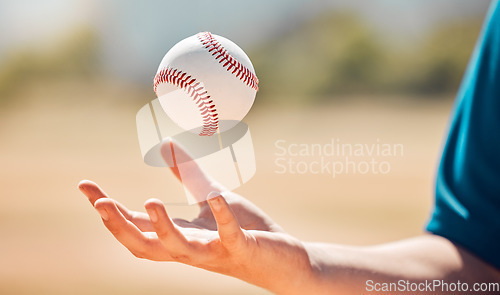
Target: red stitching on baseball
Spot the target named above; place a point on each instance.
(197, 92)
(227, 61)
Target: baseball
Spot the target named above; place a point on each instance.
(206, 83)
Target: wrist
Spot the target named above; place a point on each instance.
(296, 272)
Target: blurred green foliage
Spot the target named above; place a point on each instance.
(333, 55)
(337, 54)
(75, 57)
(329, 55)
(438, 65)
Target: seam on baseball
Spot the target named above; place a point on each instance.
(227, 60)
(197, 92)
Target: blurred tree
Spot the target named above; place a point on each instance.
(330, 55)
(443, 58)
(337, 54)
(75, 57)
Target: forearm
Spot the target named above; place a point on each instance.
(345, 269)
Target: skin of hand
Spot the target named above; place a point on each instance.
(232, 236)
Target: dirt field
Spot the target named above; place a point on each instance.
(54, 243)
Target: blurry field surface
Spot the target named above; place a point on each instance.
(54, 243)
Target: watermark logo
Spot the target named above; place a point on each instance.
(432, 287)
(335, 157)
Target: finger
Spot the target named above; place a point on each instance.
(187, 170)
(169, 235)
(124, 230)
(230, 232)
(139, 219)
(94, 193)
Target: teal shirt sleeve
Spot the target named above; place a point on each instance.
(467, 200)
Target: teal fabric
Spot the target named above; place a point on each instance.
(467, 204)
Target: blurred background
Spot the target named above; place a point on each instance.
(74, 73)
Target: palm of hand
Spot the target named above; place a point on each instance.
(223, 238)
(249, 216)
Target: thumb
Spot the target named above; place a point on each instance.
(230, 233)
(187, 170)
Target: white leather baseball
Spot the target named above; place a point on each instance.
(206, 83)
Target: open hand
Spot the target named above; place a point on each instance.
(230, 235)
